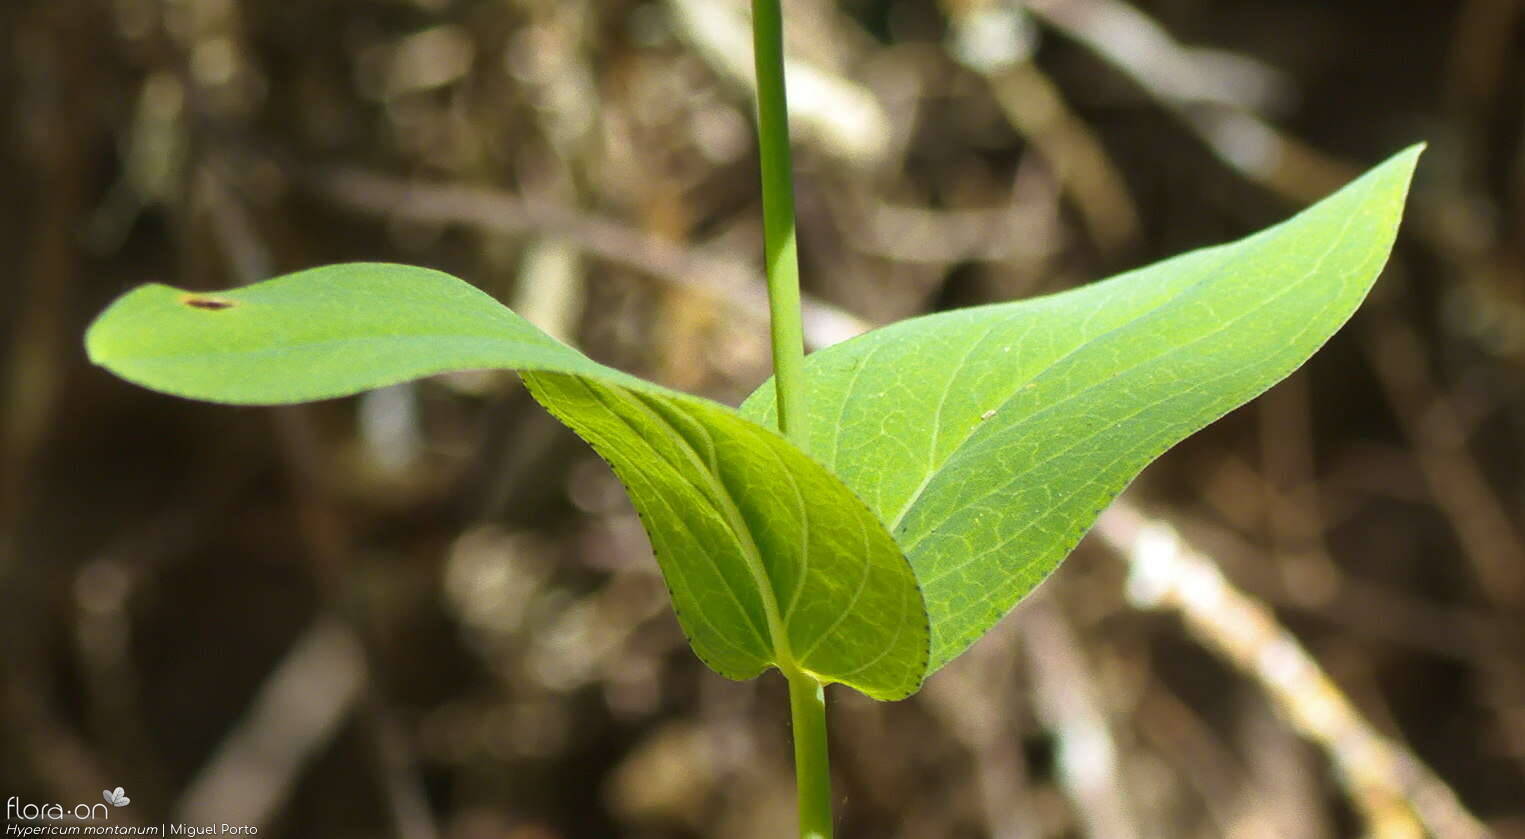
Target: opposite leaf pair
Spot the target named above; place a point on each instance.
(954, 458)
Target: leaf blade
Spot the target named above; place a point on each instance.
(1007, 428)
(317, 334)
(707, 481)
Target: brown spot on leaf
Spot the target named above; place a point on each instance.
(211, 304)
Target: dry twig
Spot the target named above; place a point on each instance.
(1065, 693)
(1215, 94)
(1393, 790)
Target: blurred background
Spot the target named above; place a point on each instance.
(429, 612)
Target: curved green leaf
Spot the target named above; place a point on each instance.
(989, 439)
(770, 559)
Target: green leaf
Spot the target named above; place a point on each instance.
(989, 439)
(770, 559)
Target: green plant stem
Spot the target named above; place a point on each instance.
(812, 768)
(807, 696)
(778, 220)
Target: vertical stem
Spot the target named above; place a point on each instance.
(778, 220)
(812, 769)
(807, 697)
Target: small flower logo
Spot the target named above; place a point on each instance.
(116, 797)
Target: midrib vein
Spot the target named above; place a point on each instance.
(932, 473)
(1222, 327)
